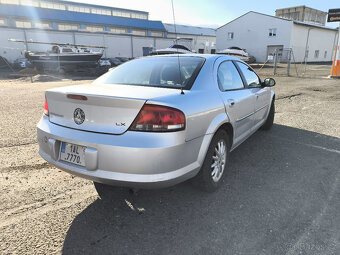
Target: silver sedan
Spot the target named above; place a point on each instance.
(156, 121)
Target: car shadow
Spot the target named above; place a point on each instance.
(281, 194)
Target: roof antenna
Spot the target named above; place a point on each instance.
(179, 63)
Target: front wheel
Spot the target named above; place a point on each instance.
(215, 163)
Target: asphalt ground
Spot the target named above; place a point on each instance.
(281, 194)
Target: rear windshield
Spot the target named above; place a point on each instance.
(155, 72)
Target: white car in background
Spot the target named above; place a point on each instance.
(173, 49)
(236, 52)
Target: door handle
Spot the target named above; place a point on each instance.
(231, 102)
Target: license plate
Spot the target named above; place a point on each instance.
(72, 153)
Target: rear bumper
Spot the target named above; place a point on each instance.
(133, 159)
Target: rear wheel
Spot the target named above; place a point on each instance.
(270, 119)
(215, 163)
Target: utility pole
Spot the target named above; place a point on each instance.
(334, 16)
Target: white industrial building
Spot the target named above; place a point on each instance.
(203, 39)
(125, 33)
(261, 35)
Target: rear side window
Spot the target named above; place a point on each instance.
(168, 72)
(251, 77)
(228, 76)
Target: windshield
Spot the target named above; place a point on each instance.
(156, 72)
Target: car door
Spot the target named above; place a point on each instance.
(261, 94)
(238, 100)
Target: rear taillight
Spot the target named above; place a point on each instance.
(157, 118)
(46, 112)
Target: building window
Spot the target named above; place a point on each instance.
(23, 24)
(212, 51)
(121, 14)
(325, 54)
(67, 27)
(118, 30)
(51, 5)
(156, 33)
(201, 51)
(30, 3)
(78, 8)
(3, 22)
(313, 17)
(94, 28)
(101, 11)
(9, 1)
(272, 32)
(316, 54)
(230, 35)
(42, 25)
(290, 15)
(135, 15)
(138, 32)
(306, 54)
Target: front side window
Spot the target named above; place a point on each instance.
(228, 76)
(168, 72)
(251, 77)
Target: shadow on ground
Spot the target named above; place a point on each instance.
(281, 196)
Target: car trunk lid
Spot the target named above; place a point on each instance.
(99, 108)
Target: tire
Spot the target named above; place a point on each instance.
(270, 119)
(210, 178)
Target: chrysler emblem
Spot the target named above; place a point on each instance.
(78, 116)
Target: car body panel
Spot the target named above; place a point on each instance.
(262, 103)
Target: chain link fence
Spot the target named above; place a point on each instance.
(282, 63)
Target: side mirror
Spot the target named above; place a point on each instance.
(269, 82)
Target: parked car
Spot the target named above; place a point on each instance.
(236, 52)
(115, 62)
(251, 59)
(21, 63)
(123, 59)
(104, 62)
(173, 49)
(152, 122)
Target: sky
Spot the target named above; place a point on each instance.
(213, 13)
